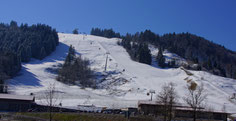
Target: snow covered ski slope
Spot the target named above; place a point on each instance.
(126, 82)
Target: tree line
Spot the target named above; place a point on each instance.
(209, 56)
(36, 41)
(21, 43)
(109, 33)
(137, 47)
(137, 51)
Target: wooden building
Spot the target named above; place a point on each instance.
(15, 103)
(180, 112)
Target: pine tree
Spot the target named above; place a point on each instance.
(209, 64)
(234, 74)
(172, 63)
(109, 33)
(19, 44)
(70, 57)
(75, 31)
(25, 53)
(144, 54)
(161, 59)
(1, 86)
(42, 53)
(13, 24)
(76, 70)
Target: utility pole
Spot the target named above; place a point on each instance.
(106, 61)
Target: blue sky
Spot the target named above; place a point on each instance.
(213, 19)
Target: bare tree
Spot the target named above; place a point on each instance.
(210, 109)
(51, 99)
(168, 97)
(195, 99)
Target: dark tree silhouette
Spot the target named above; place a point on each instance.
(21, 43)
(161, 59)
(75, 31)
(168, 97)
(76, 70)
(195, 99)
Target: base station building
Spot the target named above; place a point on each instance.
(16, 103)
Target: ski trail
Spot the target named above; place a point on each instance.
(34, 77)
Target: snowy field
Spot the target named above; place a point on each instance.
(126, 82)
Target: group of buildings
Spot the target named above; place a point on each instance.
(180, 112)
(20, 103)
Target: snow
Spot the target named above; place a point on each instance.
(168, 56)
(126, 81)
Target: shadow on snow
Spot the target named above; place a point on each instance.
(27, 78)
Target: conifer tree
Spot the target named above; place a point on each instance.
(1, 86)
(234, 74)
(76, 70)
(20, 43)
(71, 56)
(161, 59)
(144, 54)
(42, 53)
(209, 64)
(75, 31)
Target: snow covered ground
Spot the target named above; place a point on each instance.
(127, 81)
(168, 57)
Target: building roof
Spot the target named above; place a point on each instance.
(16, 97)
(148, 102)
(177, 106)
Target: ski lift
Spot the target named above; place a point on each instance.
(151, 91)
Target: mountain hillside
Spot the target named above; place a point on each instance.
(21, 43)
(123, 84)
(199, 53)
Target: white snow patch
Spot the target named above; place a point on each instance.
(133, 79)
